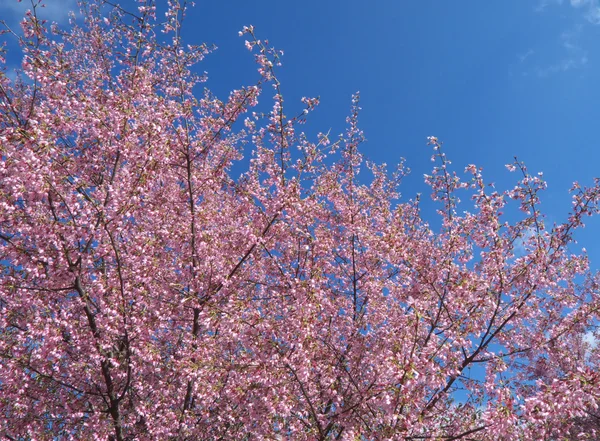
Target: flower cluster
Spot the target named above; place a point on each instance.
(148, 292)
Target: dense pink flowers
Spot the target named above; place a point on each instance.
(148, 293)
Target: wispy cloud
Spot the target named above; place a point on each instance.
(575, 57)
(591, 341)
(590, 8)
(520, 244)
(526, 55)
(52, 10)
(543, 4)
(11, 74)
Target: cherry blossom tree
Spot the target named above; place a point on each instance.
(146, 293)
(584, 353)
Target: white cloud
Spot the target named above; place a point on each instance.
(590, 8)
(526, 55)
(520, 243)
(11, 74)
(591, 341)
(575, 57)
(562, 66)
(52, 10)
(543, 4)
(593, 15)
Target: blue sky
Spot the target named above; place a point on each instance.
(490, 79)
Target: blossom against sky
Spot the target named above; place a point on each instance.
(492, 80)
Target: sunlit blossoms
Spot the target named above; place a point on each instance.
(148, 292)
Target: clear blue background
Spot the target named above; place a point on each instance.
(491, 79)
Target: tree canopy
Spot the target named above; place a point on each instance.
(148, 293)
